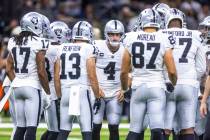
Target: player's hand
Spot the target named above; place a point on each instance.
(169, 87)
(46, 101)
(203, 109)
(97, 105)
(120, 96)
(101, 93)
(127, 95)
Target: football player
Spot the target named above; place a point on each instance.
(189, 56)
(147, 52)
(59, 34)
(78, 74)
(108, 66)
(26, 69)
(204, 106)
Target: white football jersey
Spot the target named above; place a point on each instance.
(189, 55)
(52, 55)
(73, 58)
(108, 67)
(24, 57)
(6, 82)
(147, 51)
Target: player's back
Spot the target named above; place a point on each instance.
(108, 65)
(73, 63)
(147, 51)
(52, 54)
(188, 44)
(24, 57)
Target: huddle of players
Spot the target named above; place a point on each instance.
(57, 69)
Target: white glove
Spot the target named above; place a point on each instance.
(46, 101)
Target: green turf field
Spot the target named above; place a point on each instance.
(75, 135)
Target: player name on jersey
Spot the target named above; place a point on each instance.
(179, 33)
(71, 48)
(146, 37)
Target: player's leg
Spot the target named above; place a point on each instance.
(52, 120)
(186, 108)
(20, 114)
(11, 110)
(86, 114)
(200, 123)
(207, 127)
(113, 113)
(66, 121)
(97, 121)
(32, 111)
(169, 114)
(137, 112)
(156, 112)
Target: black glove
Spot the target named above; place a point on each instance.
(127, 95)
(169, 87)
(97, 105)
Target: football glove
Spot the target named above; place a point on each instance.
(169, 87)
(97, 105)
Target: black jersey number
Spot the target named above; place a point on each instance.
(110, 69)
(72, 74)
(21, 52)
(188, 42)
(47, 66)
(138, 49)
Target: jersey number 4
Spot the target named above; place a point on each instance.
(75, 66)
(25, 52)
(138, 49)
(110, 69)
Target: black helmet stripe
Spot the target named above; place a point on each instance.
(115, 24)
(78, 30)
(175, 11)
(153, 15)
(157, 6)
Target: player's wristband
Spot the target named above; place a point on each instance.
(124, 91)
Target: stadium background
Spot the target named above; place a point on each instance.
(97, 12)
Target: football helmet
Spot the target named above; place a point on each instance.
(204, 27)
(162, 9)
(149, 18)
(114, 26)
(60, 32)
(82, 30)
(46, 27)
(137, 24)
(174, 14)
(32, 22)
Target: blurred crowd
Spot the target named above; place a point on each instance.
(97, 12)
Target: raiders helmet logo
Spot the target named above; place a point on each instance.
(58, 32)
(34, 20)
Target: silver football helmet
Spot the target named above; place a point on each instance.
(82, 30)
(204, 27)
(114, 26)
(174, 14)
(60, 32)
(137, 24)
(162, 9)
(32, 22)
(149, 18)
(46, 27)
